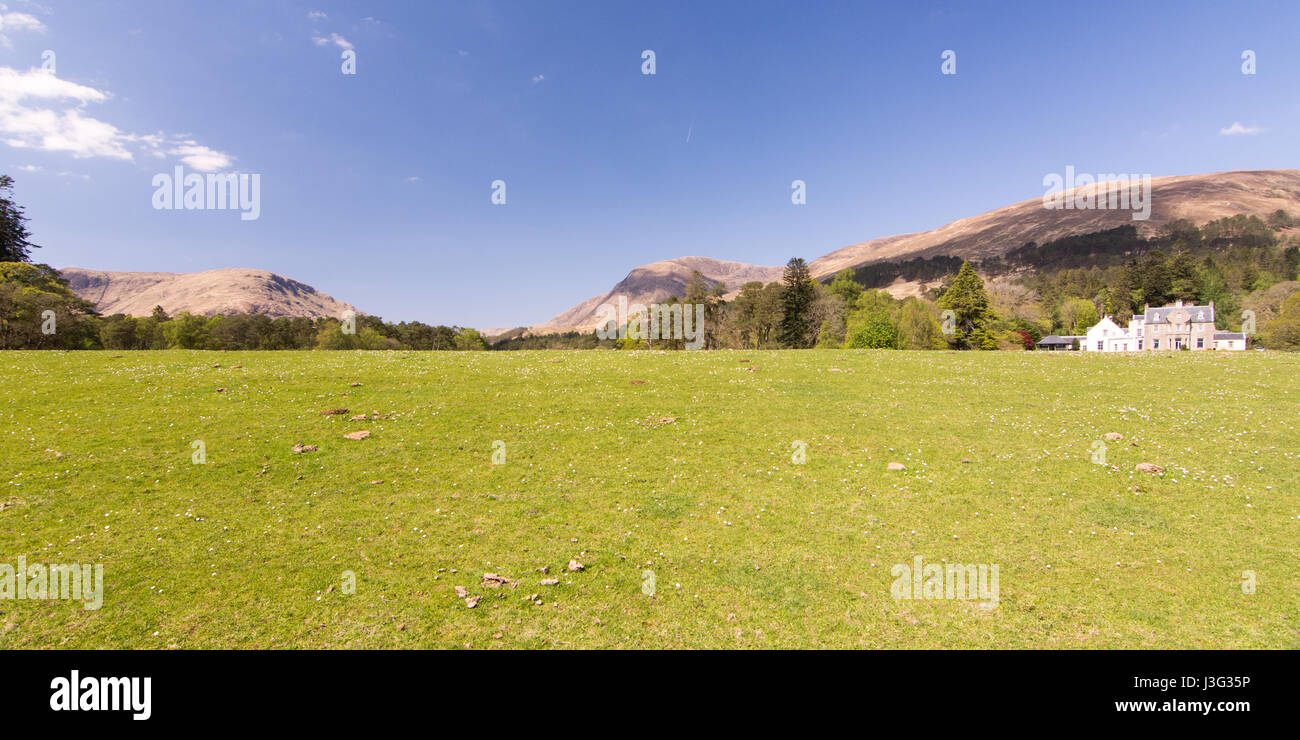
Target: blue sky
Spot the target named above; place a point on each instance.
(375, 187)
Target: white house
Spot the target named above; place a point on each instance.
(1229, 340)
(1107, 336)
(1173, 327)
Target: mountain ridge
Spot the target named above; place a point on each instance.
(222, 291)
(1198, 198)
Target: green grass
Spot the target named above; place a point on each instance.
(748, 549)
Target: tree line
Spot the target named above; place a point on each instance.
(1242, 263)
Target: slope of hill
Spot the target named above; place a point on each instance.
(226, 291)
(1198, 198)
(657, 280)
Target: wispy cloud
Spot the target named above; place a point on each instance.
(201, 158)
(538, 78)
(317, 15)
(13, 22)
(42, 112)
(333, 38)
(1236, 129)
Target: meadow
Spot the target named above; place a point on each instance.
(723, 499)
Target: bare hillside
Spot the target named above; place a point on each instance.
(208, 293)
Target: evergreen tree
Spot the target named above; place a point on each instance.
(14, 242)
(969, 302)
(796, 303)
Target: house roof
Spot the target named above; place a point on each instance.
(1197, 314)
(1054, 339)
(1218, 335)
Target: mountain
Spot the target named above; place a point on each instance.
(1198, 198)
(208, 293)
(657, 280)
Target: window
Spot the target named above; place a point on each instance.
(1155, 344)
(1200, 342)
(1098, 346)
(1139, 344)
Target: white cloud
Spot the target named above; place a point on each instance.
(317, 15)
(412, 179)
(43, 112)
(13, 22)
(201, 158)
(538, 78)
(1236, 129)
(333, 38)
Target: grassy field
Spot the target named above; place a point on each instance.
(688, 475)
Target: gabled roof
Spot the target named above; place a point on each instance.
(1054, 339)
(1220, 335)
(1198, 314)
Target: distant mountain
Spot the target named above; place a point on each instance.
(649, 283)
(211, 292)
(1198, 198)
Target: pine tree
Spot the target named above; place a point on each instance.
(14, 241)
(796, 302)
(969, 303)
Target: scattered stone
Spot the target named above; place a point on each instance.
(333, 412)
(221, 390)
(304, 448)
(375, 482)
(354, 385)
(1149, 468)
(492, 580)
(401, 627)
(544, 569)
(472, 602)
(461, 592)
(965, 460)
(1112, 436)
(549, 581)
(575, 566)
(638, 382)
(356, 435)
(236, 367)
(896, 466)
(358, 417)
